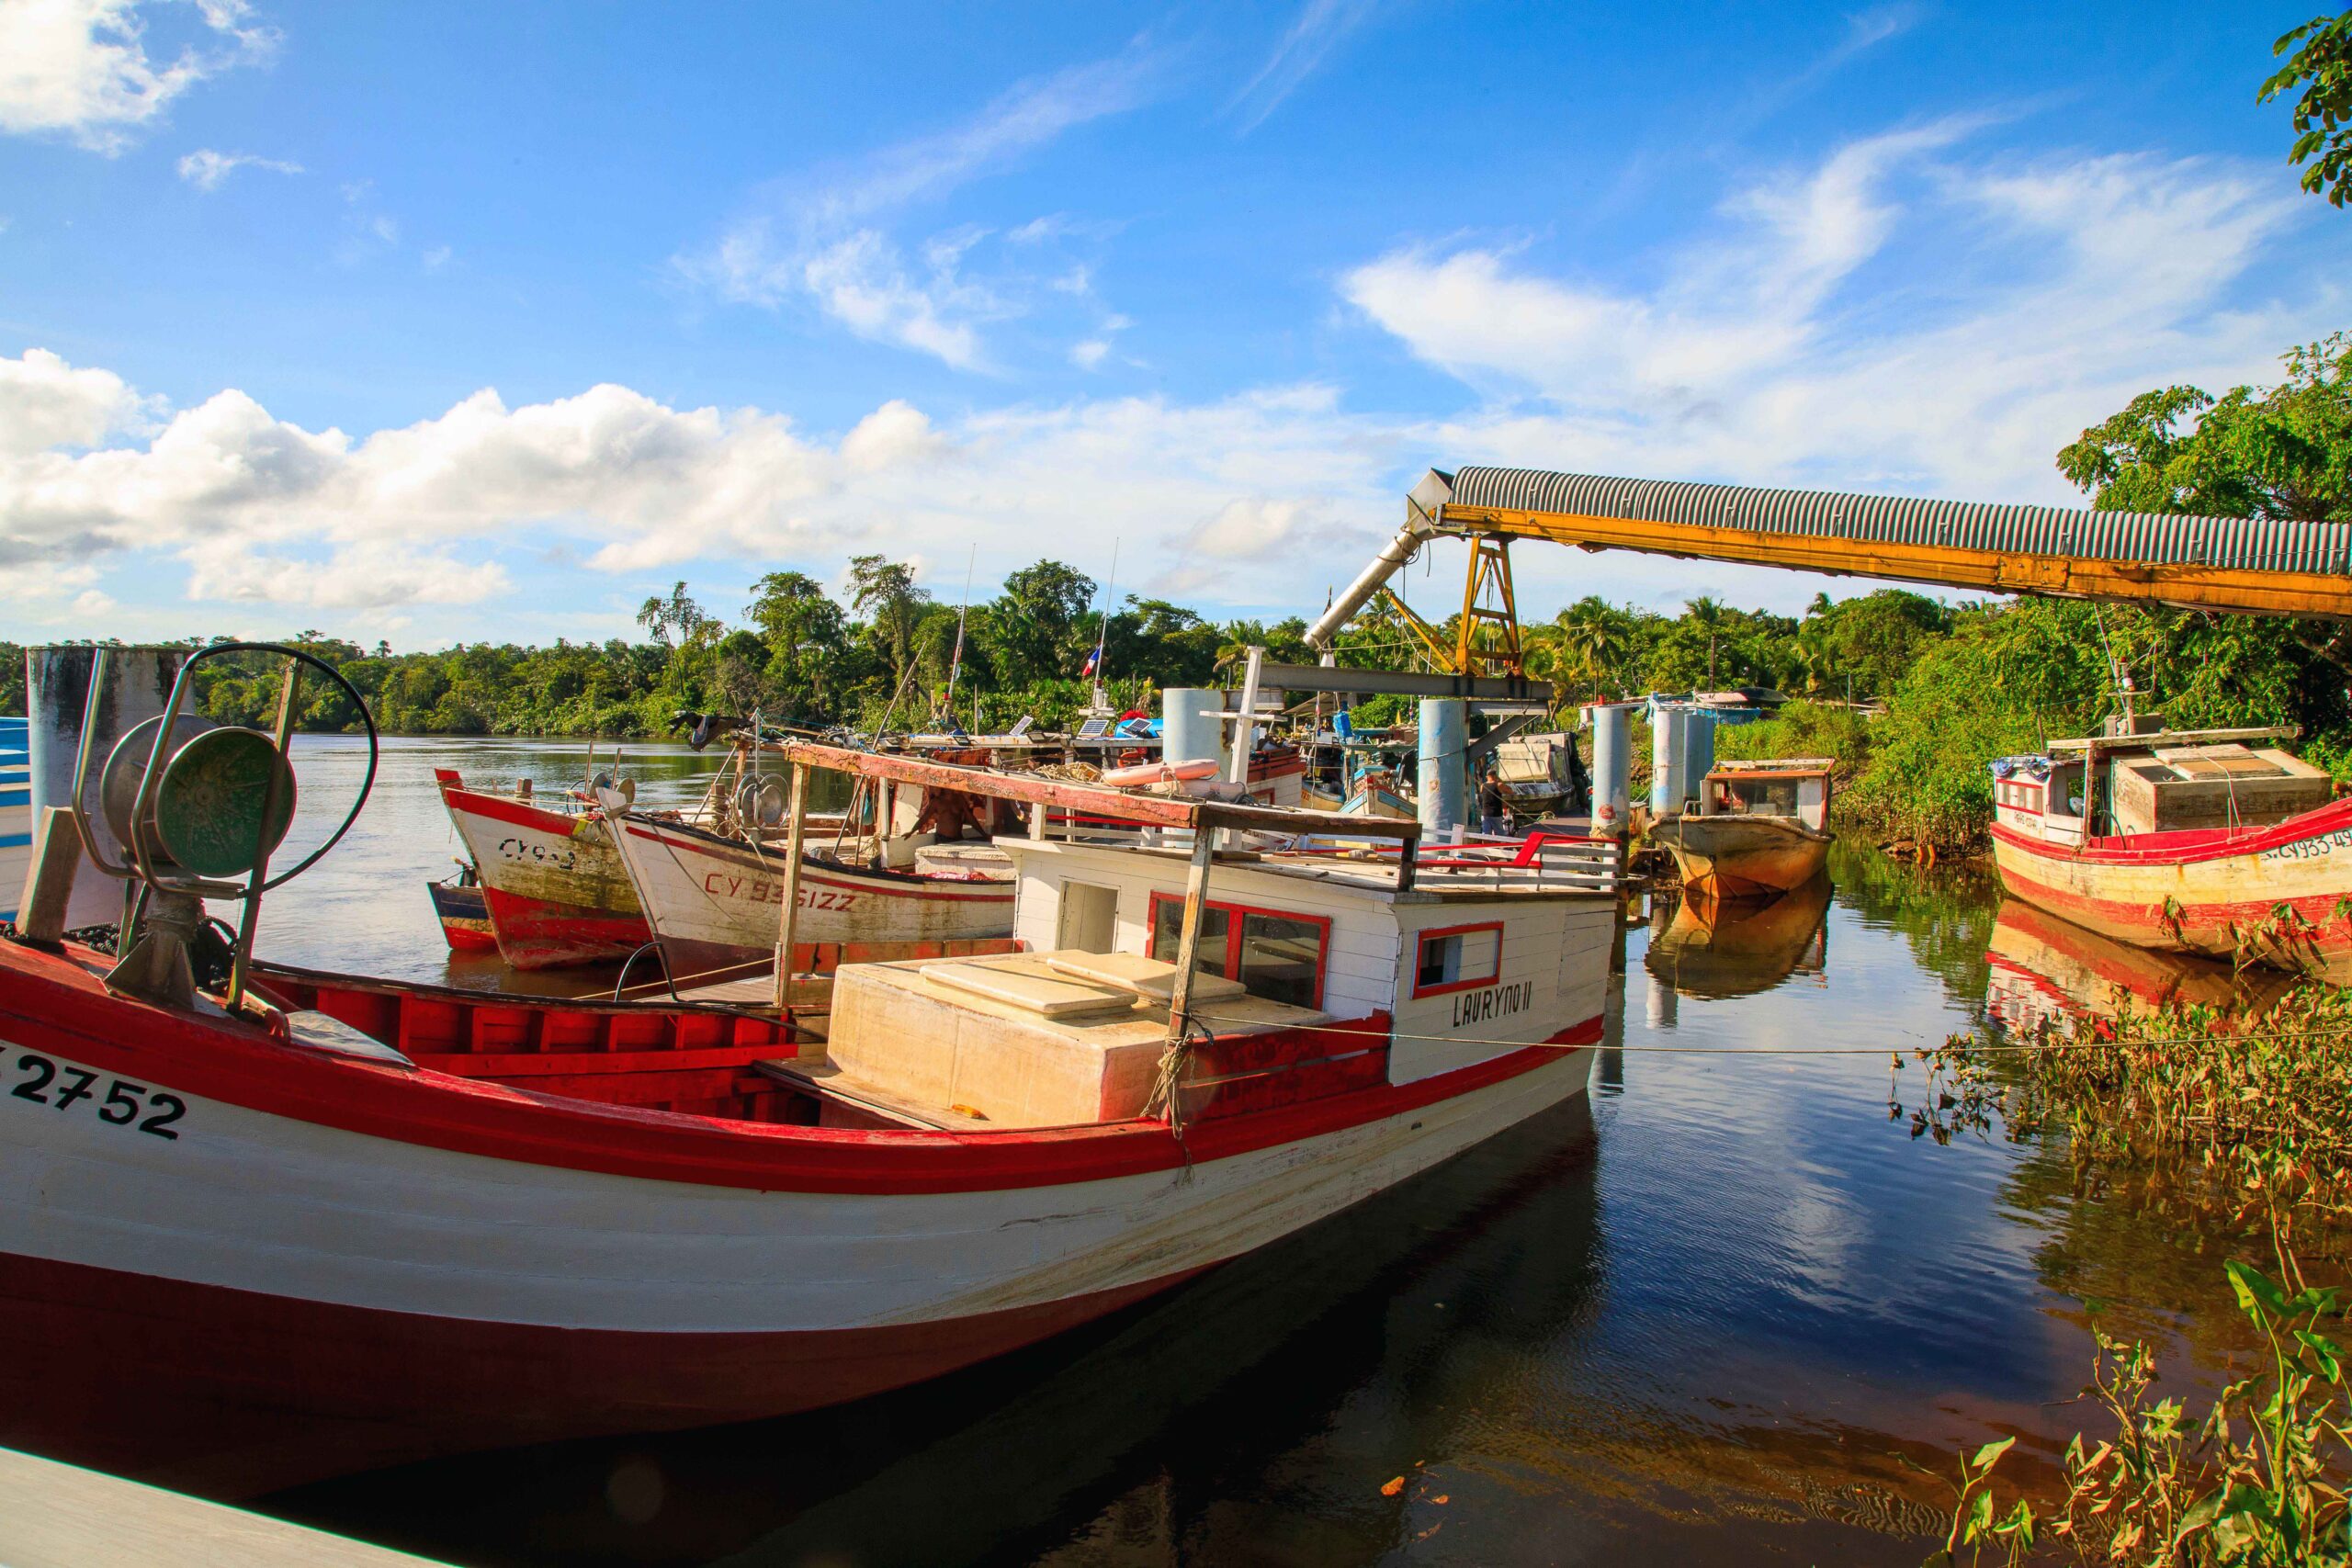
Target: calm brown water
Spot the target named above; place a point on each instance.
(1701, 1317)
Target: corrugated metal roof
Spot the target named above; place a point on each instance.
(2233, 543)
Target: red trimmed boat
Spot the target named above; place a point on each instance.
(552, 888)
(465, 918)
(2183, 842)
(308, 1224)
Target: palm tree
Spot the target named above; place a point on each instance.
(1592, 635)
(1707, 613)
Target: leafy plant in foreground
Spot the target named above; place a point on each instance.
(2259, 1480)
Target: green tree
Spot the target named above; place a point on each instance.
(1040, 626)
(674, 619)
(804, 631)
(885, 592)
(2277, 452)
(2321, 66)
(1589, 640)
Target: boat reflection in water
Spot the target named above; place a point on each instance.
(2049, 971)
(1739, 947)
(1148, 1416)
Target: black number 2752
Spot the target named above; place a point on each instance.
(121, 1104)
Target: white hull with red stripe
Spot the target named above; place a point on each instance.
(332, 1262)
(717, 904)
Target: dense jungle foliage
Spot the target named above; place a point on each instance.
(1912, 696)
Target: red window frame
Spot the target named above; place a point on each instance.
(1233, 915)
(1450, 986)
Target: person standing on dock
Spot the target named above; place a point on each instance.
(1493, 815)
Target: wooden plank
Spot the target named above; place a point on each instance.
(59, 1516)
(1162, 811)
(794, 837)
(827, 1082)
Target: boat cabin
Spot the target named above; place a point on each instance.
(1793, 787)
(1536, 772)
(1320, 965)
(2165, 782)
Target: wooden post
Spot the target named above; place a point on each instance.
(1188, 941)
(798, 823)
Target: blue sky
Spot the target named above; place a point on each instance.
(444, 323)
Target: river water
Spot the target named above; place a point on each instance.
(1715, 1312)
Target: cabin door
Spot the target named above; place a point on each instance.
(1090, 919)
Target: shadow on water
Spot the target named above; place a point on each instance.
(1195, 1395)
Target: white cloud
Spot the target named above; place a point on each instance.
(365, 576)
(45, 402)
(1088, 355)
(1320, 25)
(821, 238)
(437, 257)
(1891, 318)
(261, 509)
(862, 282)
(205, 168)
(81, 68)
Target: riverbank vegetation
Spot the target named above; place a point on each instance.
(2240, 1123)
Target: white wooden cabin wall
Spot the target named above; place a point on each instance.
(1359, 965)
(1556, 948)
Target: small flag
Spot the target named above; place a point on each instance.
(1093, 657)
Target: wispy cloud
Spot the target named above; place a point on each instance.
(205, 168)
(822, 237)
(1320, 25)
(1895, 315)
(81, 68)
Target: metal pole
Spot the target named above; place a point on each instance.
(241, 958)
(1245, 728)
(791, 889)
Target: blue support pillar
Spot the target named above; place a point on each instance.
(1445, 771)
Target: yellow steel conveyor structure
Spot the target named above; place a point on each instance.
(2244, 566)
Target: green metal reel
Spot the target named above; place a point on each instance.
(211, 803)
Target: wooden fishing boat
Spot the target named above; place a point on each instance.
(2183, 842)
(329, 1222)
(553, 888)
(465, 917)
(1762, 829)
(711, 900)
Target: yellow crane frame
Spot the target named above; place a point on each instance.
(1470, 652)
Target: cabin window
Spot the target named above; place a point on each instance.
(1775, 797)
(1089, 917)
(1275, 954)
(1457, 958)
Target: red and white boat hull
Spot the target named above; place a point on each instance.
(2213, 892)
(716, 905)
(555, 890)
(331, 1263)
